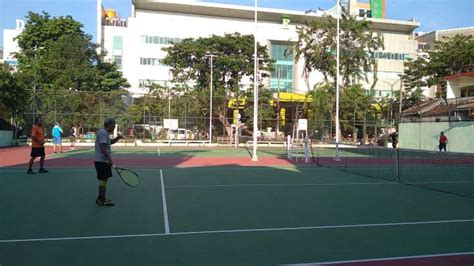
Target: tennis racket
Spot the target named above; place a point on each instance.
(129, 177)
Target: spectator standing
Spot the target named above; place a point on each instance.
(57, 134)
(443, 141)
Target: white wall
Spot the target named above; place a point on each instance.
(6, 138)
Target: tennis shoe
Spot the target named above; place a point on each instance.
(42, 170)
(30, 172)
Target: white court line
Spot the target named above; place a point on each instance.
(282, 185)
(382, 259)
(237, 231)
(52, 170)
(441, 182)
(159, 152)
(165, 207)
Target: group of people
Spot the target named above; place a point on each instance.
(57, 133)
(442, 142)
(102, 159)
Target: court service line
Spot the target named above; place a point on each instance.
(282, 185)
(165, 207)
(237, 231)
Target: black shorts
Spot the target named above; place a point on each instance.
(104, 170)
(37, 152)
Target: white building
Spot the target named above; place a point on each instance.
(460, 86)
(135, 44)
(426, 42)
(10, 46)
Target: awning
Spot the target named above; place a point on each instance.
(292, 97)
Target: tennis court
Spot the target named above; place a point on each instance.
(203, 206)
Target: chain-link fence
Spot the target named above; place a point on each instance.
(143, 116)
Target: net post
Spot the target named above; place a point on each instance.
(397, 165)
(306, 150)
(337, 158)
(288, 146)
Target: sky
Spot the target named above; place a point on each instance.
(432, 14)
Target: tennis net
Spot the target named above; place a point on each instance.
(445, 172)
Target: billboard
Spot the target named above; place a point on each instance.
(377, 7)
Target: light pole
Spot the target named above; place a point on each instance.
(337, 82)
(169, 103)
(278, 103)
(35, 66)
(391, 96)
(401, 99)
(211, 56)
(255, 89)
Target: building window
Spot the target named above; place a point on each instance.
(390, 56)
(467, 91)
(158, 40)
(118, 61)
(145, 83)
(117, 43)
(144, 61)
(282, 75)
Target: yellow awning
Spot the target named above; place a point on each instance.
(240, 103)
(292, 97)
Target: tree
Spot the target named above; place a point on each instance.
(13, 95)
(266, 109)
(355, 105)
(62, 61)
(320, 110)
(317, 46)
(190, 63)
(449, 57)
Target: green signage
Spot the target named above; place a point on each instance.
(376, 6)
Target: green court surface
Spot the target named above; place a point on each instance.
(226, 215)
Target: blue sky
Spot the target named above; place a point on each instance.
(433, 14)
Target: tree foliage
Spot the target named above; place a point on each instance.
(13, 95)
(59, 55)
(234, 60)
(59, 63)
(317, 46)
(355, 105)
